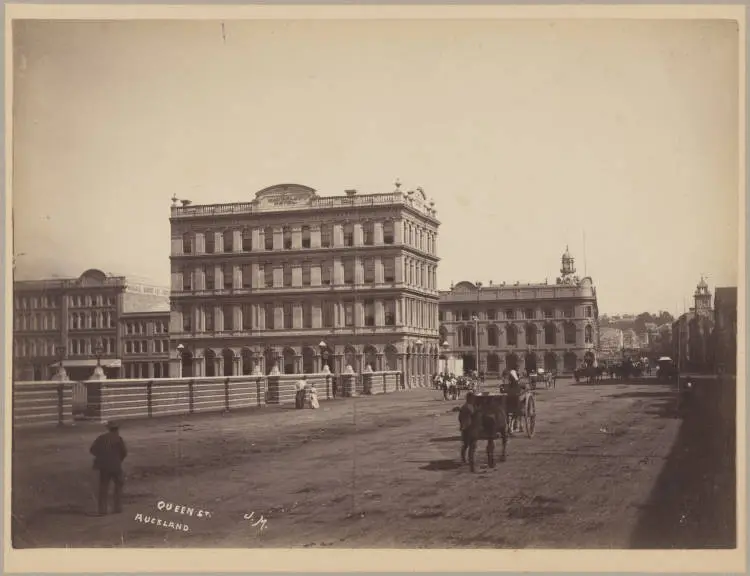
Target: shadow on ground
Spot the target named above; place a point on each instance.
(693, 504)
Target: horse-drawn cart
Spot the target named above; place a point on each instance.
(546, 379)
(520, 410)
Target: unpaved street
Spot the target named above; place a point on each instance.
(377, 471)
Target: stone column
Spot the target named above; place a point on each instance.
(278, 316)
(257, 242)
(315, 274)
(379, 271)
(278, 275)
(236, 277)
(338, 272)
(379, 313)
(278, 238)
(200, 243)
(218, 319)
(358, 234)
(398, 231)
(296, 237)
(236, 240)
(338, 235)
(237, 320)
(177, 245)
(315, 236)
(257, 280)
(378, 233)
(297, 316)
(359, 271)
(297, 274)
(399, 269)
(218, 242)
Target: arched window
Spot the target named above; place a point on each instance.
(492, 338)
(549, 334)
(530, 334)
(512, 335)
(570, 333)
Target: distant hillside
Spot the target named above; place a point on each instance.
(635, 322)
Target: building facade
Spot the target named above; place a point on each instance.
(725, 329)
(74, 321)
(611, 342)
(145, 344)
(522, 326)
(292, 280)
(692, 333)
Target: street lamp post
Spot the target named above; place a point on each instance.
(420, 362)
(323, 365)
(180, 349)
(475, 318)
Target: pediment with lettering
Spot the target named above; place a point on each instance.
(284, 196)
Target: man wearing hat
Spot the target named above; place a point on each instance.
(109, 451)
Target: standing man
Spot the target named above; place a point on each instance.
(109, 451)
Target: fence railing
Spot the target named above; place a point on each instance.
(56, 403)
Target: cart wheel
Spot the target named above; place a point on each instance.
(530, 417)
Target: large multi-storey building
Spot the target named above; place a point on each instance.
(692, 332)
(293, 281)
(74, 320)
(145, 343)
(522, 326)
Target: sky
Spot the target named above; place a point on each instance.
(529, 135)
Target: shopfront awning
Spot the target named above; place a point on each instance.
(91, 363)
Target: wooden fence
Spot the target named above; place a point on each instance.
(50, 403)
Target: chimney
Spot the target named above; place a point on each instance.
(351, 192)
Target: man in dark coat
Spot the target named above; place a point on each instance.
(465, 419)
(109, 451)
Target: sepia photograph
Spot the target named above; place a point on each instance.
(349, 283)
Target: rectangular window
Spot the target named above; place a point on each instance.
(210, 243)
(247, 240)
(187, 280)
(390, 312)
(491, 314)
(247, 276)
(568, 312)
(328, 314)
(228, 276)
(210, 278)
(307, 315)
(349, 313)
(270, 324)
(509, 314)
(369, 270)
(388, 232)
(287, 275)
(389, 269)
(210, 320)
(369, 313)
(288, 316)
(228, 312)
(268, 238)
(268, 275)
(128, 347)
(326, 234)
(228, 241)
(440, 315)
(348, 271)
(305, 236)
(349, 235)
(549, 313)
(588, 311)
(368, 232)
(326, 273)
(305, 273)
(247, 317)
(187, 244)
(529, 314)
(287, 234)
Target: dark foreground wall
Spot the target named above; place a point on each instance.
(693, 504)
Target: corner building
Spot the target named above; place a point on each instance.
(291, 281)
(522, 326)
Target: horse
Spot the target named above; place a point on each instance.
(484, 419)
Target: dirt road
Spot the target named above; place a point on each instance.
(379, 471)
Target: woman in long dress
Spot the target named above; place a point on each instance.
(314, 404)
